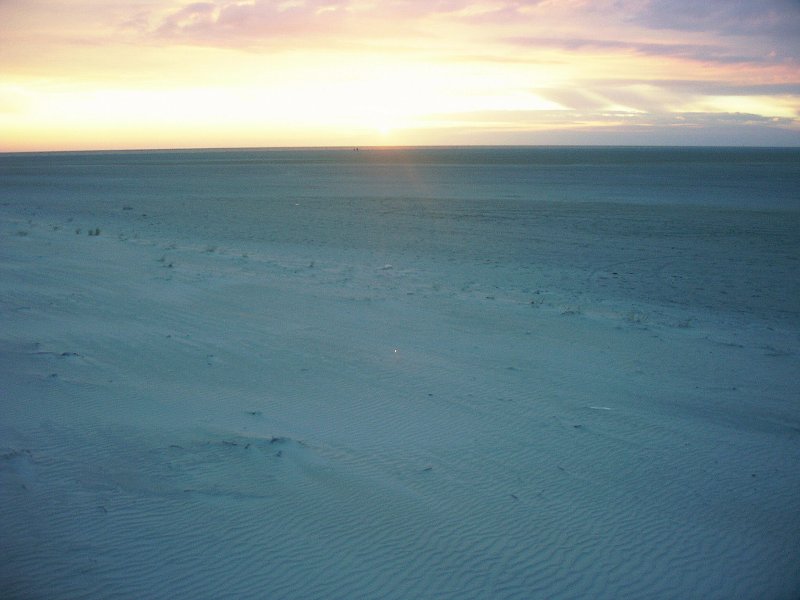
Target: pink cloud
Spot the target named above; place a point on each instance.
(193, 17)
(252, 23)
(223, 22)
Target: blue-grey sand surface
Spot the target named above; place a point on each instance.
(400, 373)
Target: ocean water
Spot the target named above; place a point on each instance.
(697, 229)
(750, 178)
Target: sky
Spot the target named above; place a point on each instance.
(94, 74)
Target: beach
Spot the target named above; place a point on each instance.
(400, 373)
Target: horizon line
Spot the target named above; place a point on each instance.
(392, 147)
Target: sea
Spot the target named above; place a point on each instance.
(710, 229)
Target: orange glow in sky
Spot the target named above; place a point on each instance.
(82, 74)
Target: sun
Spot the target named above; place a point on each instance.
(382, 122)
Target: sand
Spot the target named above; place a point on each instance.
(184, 415)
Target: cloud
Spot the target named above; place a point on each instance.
(601, 96)
(737, 17)
(713, 87)
(713, 31)
(707, 52)
(659, 96)
(258, 22)
(612, 127)
(765, 32)
(771, 26)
